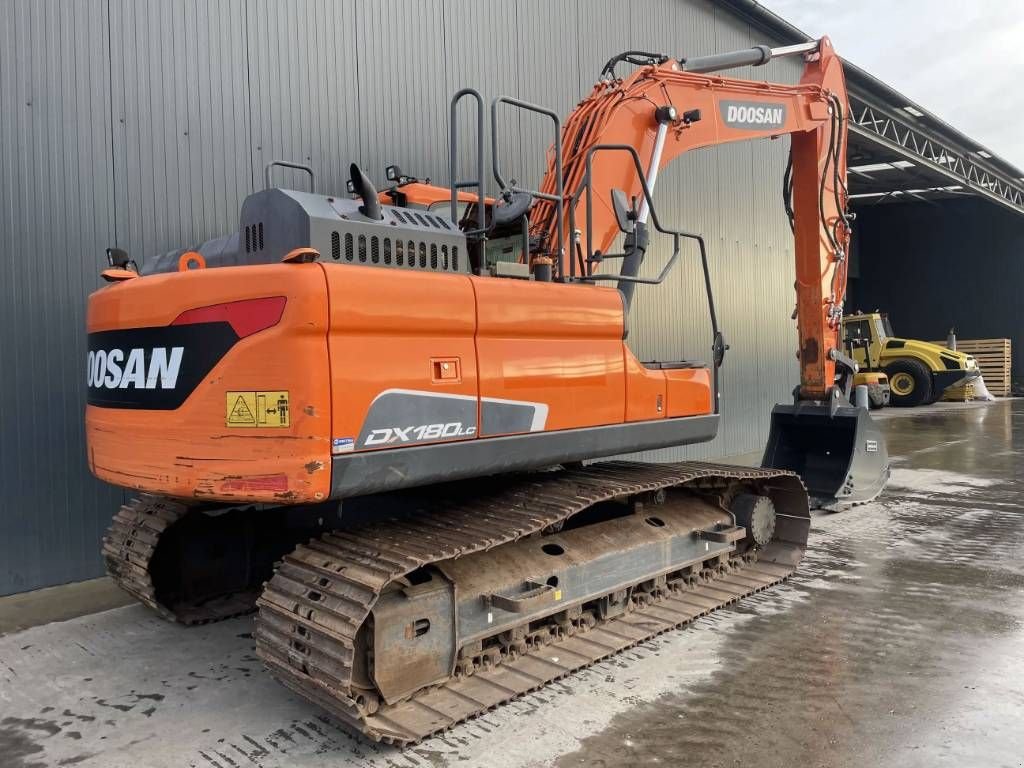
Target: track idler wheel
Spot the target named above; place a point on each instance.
(757, 515)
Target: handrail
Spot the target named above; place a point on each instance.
(558, 197)
(478, 182)
(287, 164)
(585, 188)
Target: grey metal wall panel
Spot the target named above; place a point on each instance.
(480, 53)
(181, 122)
(400, 50)
(603, 30)
(56, 215)
(547, 64)
(155, 145)
(305, 66)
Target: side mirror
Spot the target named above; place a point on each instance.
(625, 214)
(718, 349)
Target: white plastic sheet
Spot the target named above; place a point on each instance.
(981, 391)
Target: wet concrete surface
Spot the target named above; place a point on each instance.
(900, 641)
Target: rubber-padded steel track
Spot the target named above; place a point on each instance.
(321, 595)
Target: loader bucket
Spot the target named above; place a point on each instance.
(838, 452)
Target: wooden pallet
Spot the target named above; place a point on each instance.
(962, 394)
(993, 356)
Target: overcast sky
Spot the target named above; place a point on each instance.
(961, 59)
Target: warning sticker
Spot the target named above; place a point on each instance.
(257, 409)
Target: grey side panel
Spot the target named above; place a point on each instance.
(357, 474)
(272, 223)
(506, 418)
(218, 252)
(399, 417)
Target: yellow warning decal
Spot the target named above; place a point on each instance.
(257, 409)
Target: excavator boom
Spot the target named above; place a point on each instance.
(668, 107)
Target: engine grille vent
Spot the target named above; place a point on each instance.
(364, 249)
(254, 237)
(423, 219)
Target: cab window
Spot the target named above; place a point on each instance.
(444, 208)
(884, 328)
(859, 329)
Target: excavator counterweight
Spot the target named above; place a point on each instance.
(376, 418)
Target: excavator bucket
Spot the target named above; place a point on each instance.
(838, 451)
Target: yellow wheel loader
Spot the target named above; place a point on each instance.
(919, 372)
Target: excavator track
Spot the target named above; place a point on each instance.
(131, 541)
(147, 553)
(315, 613)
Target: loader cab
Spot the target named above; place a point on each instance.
(865, 336)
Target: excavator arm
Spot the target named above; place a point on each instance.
(666, 109)
(670, 106)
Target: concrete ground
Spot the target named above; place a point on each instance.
(900, 642)
(42, 606)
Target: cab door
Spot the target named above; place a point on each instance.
(857, 340)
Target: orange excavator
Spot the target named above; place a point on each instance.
(373, 417)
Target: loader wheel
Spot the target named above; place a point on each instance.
(910, 383)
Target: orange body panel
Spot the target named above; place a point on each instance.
(645, 391)
(426, 195)
(189, 451)
(369, 356)
(350, 336)
(552, 343)
(689, 391)
(388, 328)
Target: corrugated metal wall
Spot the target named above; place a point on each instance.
(935, 266)
(144, 123)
